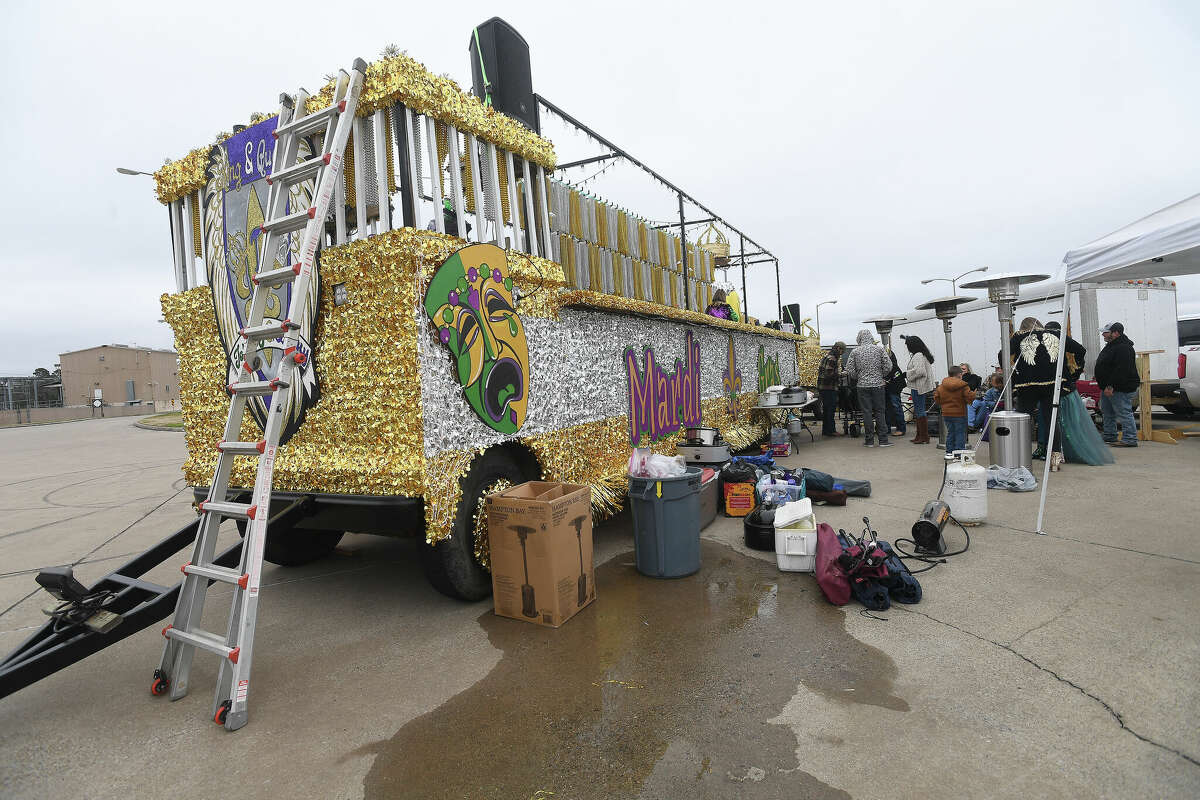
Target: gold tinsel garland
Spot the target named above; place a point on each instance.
(390, 80)
(364, 380)
(371, 402)
(483, 550)
(596, 454)
(584, 297)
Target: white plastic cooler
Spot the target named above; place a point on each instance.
(796, 537)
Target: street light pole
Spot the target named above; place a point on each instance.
(954, 281)
(822, 303)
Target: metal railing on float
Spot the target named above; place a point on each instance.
(422, 162)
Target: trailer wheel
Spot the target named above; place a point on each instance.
(450, 565)
(293, 547)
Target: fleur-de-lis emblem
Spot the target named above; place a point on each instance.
(731, 381)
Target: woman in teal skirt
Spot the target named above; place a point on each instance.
(1081, 442)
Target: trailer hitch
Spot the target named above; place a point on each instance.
(120, 604)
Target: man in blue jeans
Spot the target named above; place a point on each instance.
(1118, 379)
(828, 374)
(869, 365)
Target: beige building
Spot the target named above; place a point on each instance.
(125, 375)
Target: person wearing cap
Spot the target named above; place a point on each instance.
(827, 386)
(1117, 377)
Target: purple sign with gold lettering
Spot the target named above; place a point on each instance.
(661, 402)
(235, 201)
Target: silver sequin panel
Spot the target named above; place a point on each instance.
(577, 372)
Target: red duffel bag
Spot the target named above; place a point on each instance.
(830, 575)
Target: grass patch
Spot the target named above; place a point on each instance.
(172, 419)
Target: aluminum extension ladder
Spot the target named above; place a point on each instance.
(183, 634)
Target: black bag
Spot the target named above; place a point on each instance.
(738, 472)
(896, 380)
(854, 488)
(815, 479)
(901, 584)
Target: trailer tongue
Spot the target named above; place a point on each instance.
(136, 604)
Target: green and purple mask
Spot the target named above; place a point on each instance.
(470, 303)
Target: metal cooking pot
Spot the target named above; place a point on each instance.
(793, 396)
(704, 436)
(768, 399)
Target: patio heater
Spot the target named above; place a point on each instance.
(883, 326)
(1010, 433)
(946, 309)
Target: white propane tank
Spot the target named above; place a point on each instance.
(966, 489)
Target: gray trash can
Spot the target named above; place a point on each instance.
(666, 524)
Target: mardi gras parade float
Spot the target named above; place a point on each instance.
(455, 321)
(547, 342)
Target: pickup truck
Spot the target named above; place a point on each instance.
(1188, 396)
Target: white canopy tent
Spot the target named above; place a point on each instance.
(1166, 243)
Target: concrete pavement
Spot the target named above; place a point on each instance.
(1063, 665)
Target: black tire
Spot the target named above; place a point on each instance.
(1181, 410)
(450, 564)
(296, 546)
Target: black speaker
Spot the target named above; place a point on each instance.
(500, 66)
(791, 313)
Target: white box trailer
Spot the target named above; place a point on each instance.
(1145, 307)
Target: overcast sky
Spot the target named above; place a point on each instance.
(868, 145)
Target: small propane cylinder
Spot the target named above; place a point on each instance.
(966, 488)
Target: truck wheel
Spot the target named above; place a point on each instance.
(450, 565)
(1181, 409)
(295, 546)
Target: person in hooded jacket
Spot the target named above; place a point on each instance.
(1118, 379)
(868, 366)
(919, 375)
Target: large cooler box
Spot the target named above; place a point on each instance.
(796, 537)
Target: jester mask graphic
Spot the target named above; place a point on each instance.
(470, 303)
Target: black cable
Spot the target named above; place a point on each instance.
(933, 562)
(73, 613)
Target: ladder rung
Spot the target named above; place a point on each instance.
(277, 277)
(216, 573)
(289, 222)
(230, 510)
(300, 172)
(204, 640)
(271, 330)
(243, 448)
(255, 388)
(310, 123)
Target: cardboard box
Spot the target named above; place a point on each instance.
(540, 535)
(739, 499)
(784, 449)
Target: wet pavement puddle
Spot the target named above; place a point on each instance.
(661, 688)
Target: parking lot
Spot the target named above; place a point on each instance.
(1063, 665)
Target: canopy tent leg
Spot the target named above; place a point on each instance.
(1055, 399)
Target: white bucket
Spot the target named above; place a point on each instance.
(796, 537)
